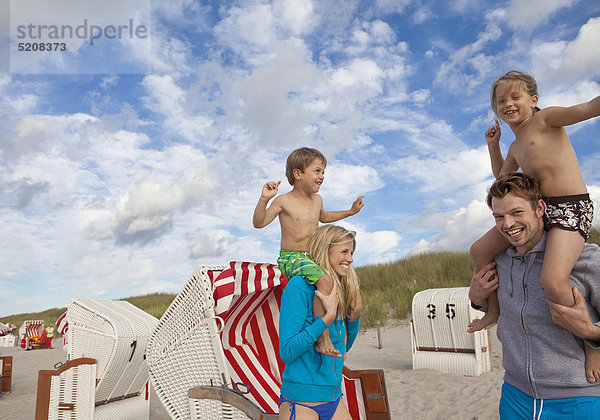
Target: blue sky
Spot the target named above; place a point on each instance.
(114, 185)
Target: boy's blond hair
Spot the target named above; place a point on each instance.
(300, 159)
(321, 243)
(514, 76)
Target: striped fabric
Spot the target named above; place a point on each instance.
(34, 328)
(62, 326)
(248, 299)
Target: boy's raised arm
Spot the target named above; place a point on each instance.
(263, 215)
(492, 138)
(557, 116)
(334, 216)
(499, 164)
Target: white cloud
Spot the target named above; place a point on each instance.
(462, 175)
(459, 228)
(564, 63)
(527, 15)
(344, 183)
(249, 31)
(296, 16)
(464, 69)
(373, 247)
(361, 75)
(168, 99)
(391, 6)
(146, 211)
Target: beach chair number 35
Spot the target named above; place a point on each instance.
(450, 311)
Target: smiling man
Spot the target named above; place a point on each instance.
(542, 342)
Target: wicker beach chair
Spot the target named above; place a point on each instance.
(215, 352)
(439, 333)
(8, 340)
(33, 335)
(113, 334)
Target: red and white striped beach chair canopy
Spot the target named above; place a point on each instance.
(6, 328)
(248, 299)
(187, 350)
(33, 328)
(62, 326)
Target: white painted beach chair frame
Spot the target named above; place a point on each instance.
(439, 333)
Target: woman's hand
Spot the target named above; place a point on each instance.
(330, 303)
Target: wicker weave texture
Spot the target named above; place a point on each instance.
(8, 340)
(440, 337)
(185, 350)
(115, 333)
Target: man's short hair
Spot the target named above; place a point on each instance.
(518, 184)
(300, 159)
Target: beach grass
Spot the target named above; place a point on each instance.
(386, 289)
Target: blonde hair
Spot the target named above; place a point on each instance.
(322, 242)
(526, 81)
(301, 159)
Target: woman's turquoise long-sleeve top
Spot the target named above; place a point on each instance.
(310, 376)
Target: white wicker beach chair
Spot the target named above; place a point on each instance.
(8, 340)
(214, 354)
(439, 333)
(34, 334)
(185, 350)
(114, 335)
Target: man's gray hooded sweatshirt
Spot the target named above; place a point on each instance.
(540, 358)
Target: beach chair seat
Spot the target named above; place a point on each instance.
(439, 334)
(234, 326)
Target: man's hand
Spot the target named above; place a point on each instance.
(269, 190)
(576, 318)
(357, 205)
(484, 282)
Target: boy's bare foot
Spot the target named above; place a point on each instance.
(479, 324)
(592, 364)
(325, 346)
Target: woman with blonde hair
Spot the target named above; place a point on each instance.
(312, 382)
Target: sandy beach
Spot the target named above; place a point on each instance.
(413, 394)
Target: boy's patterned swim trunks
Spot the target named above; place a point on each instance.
(570, 212)
(298, 263)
